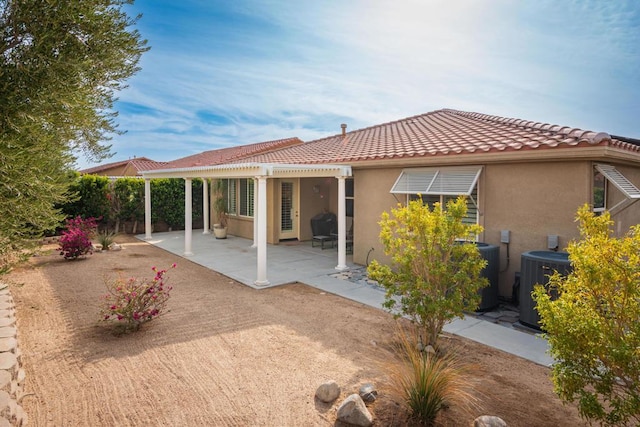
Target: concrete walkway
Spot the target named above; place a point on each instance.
(299, 262)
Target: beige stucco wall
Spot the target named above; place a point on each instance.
(313, 203)
(371, 198)
(532, 200)
(114, 171)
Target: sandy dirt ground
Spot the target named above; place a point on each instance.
(227, 355)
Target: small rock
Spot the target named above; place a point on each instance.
(8, 344)
(8, 361)
(8, 331)
(368, 393)
(354, 411)
(328, 392)
(425, 348)
(489, 421)
(115, 247)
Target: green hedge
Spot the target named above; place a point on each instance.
(122, 200)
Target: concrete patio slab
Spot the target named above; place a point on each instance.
(291, 262)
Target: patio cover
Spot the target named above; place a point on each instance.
(260, 172)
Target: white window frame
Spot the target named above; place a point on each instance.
(232, 201)
(238, 204)
(246, 198)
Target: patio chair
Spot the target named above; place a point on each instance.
(323, 228)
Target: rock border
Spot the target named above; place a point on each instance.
(12, 375)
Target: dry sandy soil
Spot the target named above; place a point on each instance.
(227, 355)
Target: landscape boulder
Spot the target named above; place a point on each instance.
(368, 393)
(489, 421)
(354, 411)
(328, 392)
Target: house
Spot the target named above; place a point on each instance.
(130, 167)
(523, 177)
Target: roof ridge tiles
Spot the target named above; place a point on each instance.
(585, 135)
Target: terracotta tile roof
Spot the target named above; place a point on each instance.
(137, 164)
(230, 154)
(439, 133)
(146, 164)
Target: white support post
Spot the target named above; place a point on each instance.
(256, 192)
(205, 205)
(188, 215)
(342, 225)
(261, 213)
(147, 209)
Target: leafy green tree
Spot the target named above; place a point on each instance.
(434, 276)
(61, 63)
(593, 326)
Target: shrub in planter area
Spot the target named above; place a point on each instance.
(76, 238)
(134, 301)
(105, 239)
(592, 326)
(433, 278)
(426, 381)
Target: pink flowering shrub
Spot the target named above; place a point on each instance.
(134, 301)
(76, 239)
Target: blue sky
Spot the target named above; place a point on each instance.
(224, 73)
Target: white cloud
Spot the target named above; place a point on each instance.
(269, 70)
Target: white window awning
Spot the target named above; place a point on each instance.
(447, 181)
(620, 181)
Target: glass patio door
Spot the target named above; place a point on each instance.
(288, 209)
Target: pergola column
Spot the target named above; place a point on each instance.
(261, 214)
(342, 225)
(188, 215)
(205, 205)
(147, 209)
(256, 191)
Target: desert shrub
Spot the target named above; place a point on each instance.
(434, 276)
(593, 326)
(105, 238)
(134, 301)
(427, 382)
(76, 238)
